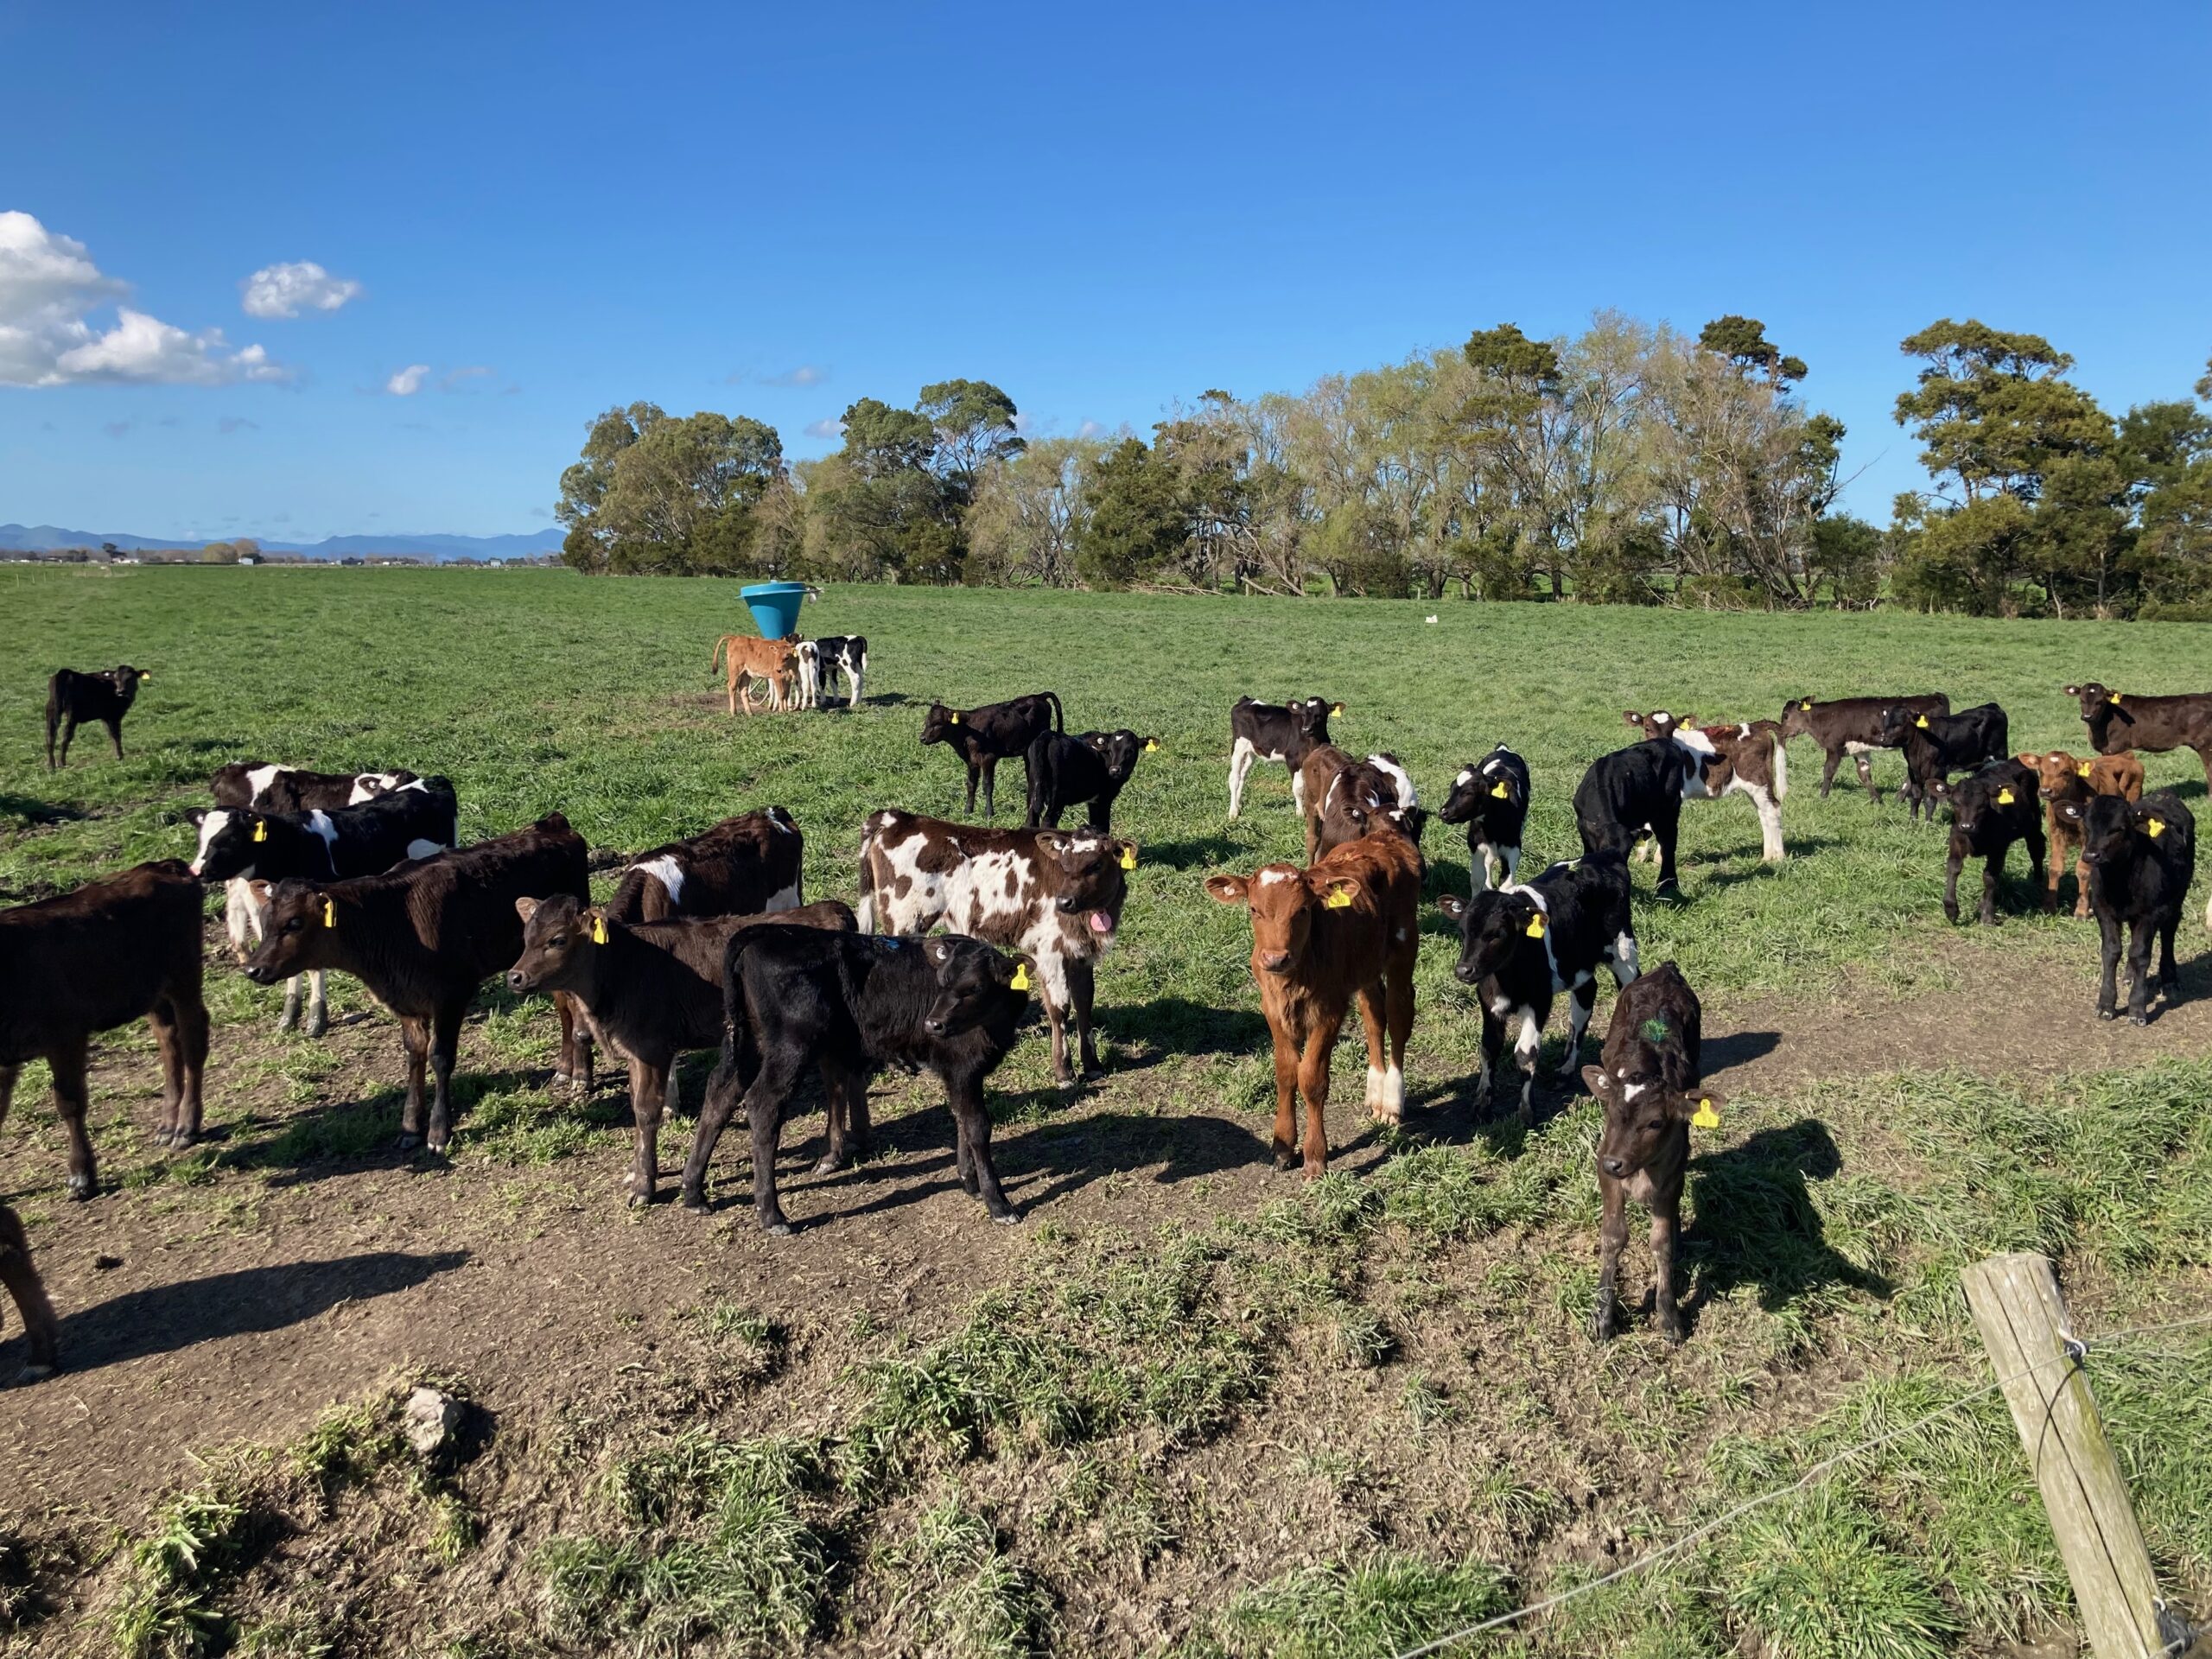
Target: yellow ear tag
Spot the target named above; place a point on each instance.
(2084, 769)
(1020, 980)
(1705, 1117)
(2004, 798)
(599, 930)
(1921, 723)
(2116, 697)
(2157, 827)
(1338, 707)
(1536, 927)
(329, 914)
(1128, 858)
(1152, 745)
(1807, 705)
(261, 829)
(1499, 791)
(1338, 900)
(956, 716)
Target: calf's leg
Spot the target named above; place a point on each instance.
(1241, 758)
(990, 787)
(2109, 947)
(318, 1002)
(170, 1131)
(115, 736)
(765, 1104)
(1612, 1238)
(1830, 760)
(1286, 1131)
(1082, 989)
(1374, 1002)
(70, 1100)
(973, 1124)
(975, 776)
(445, 1044)
(18, 1272)
(1989, 882)
(1313, 1083)
(1580, 1003)
(1526, 1043)
(1399, 1010)
(1867, 776)
(1666, 1224)
(1951, 867)
(648, 1095)
(415, 1036)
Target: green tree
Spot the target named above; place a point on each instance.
(1136, 517)
(881, 512)
(653, 494)
(971, 424)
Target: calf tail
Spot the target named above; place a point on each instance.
(715, 662)
(1059, 720)
(1781, 767)
(52, 717)
(740, 1062)
(867, 911)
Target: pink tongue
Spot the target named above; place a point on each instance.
(1101, 922)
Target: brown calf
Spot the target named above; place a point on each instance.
(652, 990)
(1349, 925)
(2119, 721)
(2061, 777)
(421, 938)
(774, 661)
(94, 959)
(18, 1272)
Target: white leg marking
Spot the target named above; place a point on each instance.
(1374, 1100)
(1241, 757)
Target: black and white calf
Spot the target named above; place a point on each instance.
(1639, 792)
(241, 845)
(796, 1000)
(1492, 798)
(1275, 731)
(2142, 855)
(1936, 745)
(285, 789)
(1990, 810)
(1088, 768)
(1521, 946)
(834, 654)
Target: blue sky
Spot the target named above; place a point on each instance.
(545, 210)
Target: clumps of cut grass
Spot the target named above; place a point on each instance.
(965, 1597)
(1376, 1606)
(716, 1540)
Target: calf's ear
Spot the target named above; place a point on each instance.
(525, 908)
(1595, 1079)
(1632, 717)
(1452, 905)
(196, 817)
(2073, 691)
(261, 891)
(1340, 892)
(1699, 1107)
(1228, 889)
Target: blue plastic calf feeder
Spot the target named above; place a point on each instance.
(775, 607)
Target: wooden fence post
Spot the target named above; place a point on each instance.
(2023, 1323)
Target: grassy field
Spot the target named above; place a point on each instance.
(1191, 1404)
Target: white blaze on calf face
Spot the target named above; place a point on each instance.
(1468, 777)
(666, 871)
(1271, 875)
(210, 827)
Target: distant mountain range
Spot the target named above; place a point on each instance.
(40, 538)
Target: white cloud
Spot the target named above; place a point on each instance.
(806, 374)
(829, 427)
(286, 290)
(408, 381)
(455, 379)
(1090, 429)
(49, 287)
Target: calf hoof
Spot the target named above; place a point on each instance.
(316, 1026)
(695, 1202)
(34, 1374)
(1008, 1219)
(636, 1200)
(1284, 1157)
(829, 1164)
(181, 1140)
(1672, 1331)
(2138, 1019)
(407, 1141)
(777, 1228)
(1602, 1323)
(1993, 920)
(2107, 1013)
(1951, 914)
(289, 1021)
(82, 1187)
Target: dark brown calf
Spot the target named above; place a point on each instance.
(2061, 777)
(422, 938)
(2119, 721)
(997, 731)
(1852, 725)
(1648, 1085)
(652, 990)
(89, 961)
(743, 865)
(20, 1276)
(1350, 926)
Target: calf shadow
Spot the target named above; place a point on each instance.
(1142, 1035)
(1199, 853)
(1735, 1048)
(30, 810)
(1757, 1224)
(250, 1301)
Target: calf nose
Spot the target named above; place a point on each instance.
(1275, 962)
(515, 980)
(934, 1025)
(1463, 972)
(1615, 1167)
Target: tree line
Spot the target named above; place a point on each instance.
(1629, 463)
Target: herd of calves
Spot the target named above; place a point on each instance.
(708, 942)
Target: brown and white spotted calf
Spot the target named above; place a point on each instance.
(1746, 757)
(1054, 895)
(2061, 777)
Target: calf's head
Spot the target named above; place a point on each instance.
(1118, 750)
(1493, 925)
(975, 986)
(1659, 724)
(2113, 828)
(2059, 776)
(939, 724)
(1489, 779)
(1644, 1116)
(1797, 717)
(126, 680)
(299, 924)
(1284, 902)
(230, 838)
(2094, 697)
(560, 940)
(1087, 876)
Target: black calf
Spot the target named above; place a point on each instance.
(1635, 791)
(75, 699)
(1990, 810)
(1937, 745)
(1065, 771)
(2141, 856)
(997, 731)
(1492, 798)
(848, 1004)
(1520, 946)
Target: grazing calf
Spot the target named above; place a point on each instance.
(1746, 758)
(1647, 1083)
(1343, 803)
(89, 961)
(2061, 777)
(20, 1274)
(422, 938)
(1852, 725)
(1936, 745)
(1065, 771)
(1520, 946)
(1054, 895)
(2142, 855)
(2120, 721)
(1990, 810)
(1492, 798)
(746, 659)
(652, 990)
(1273, 731)
(74, 699)
(1351, 925)
(743, 866)
(238, 845)
(997, 731)
(847, 1007)
(841, 653)
(1639, 792)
